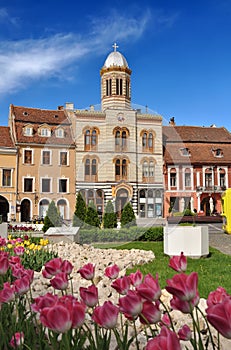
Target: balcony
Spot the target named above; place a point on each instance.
(209, 189)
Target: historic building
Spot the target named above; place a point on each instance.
(197, 168)
(8, 175)
(119, 148)
(45, 161)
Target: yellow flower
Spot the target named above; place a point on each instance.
(43, 242)
(31, 246)
(26, 242)
(9, 246)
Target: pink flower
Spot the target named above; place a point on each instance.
(46, 274)
(17, 340)
(29, 274)
(89, 295)
(183, 286)
(7, 294)
(149, 289)
(67, 267)
(46, 300)
(112, 272)
(185, 333)
(178, 263)
(4, 264)
(54, 266)
(184, 306)
(76, 309)
(166, 340)
(17, 270)
(106, 315)
(217, 296)
(14, 260)
(87, 271)
(121, 285)
(22, 285)
(19, 250)
(219, 315)
(59, 281)
(57, 318)
(2, 242)
(136, 278)
(150, 313)
(165, 321)
(131, 304)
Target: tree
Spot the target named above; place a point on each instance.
(109, 217)
(128, 217)
(52, 218)
(92, 218)
(80, 211)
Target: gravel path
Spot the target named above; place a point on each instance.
(220, 240)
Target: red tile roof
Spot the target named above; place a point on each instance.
(5, 138)
(36, 118)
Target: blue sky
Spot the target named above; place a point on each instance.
(51, 52)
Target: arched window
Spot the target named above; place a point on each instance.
(91, 169)
(147, 141)
(187, 177)
(148, 170)
(121, 169)
(90, 139)
(121, 137)
(144, 140)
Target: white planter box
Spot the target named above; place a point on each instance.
(193, 241)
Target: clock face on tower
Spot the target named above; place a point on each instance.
(120, 117)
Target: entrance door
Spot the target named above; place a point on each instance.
(4, 208)
(121, 200)
(25, 210)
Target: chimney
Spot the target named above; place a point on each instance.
(69, 105)
(172, 121)
(92, 108)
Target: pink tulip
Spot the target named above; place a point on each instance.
(17, 270)
(22, 285)
(29, 274)
(184, 306)
(46, 274)
(217, 296)
(17, 340)
(4, 264)
(136, 278)
(14, 260)
(76, 309)
(185, 333)
(112, 272)
(183, 286)
(87, 271)
(149, 289)
(131, 304)
(106, 315)
(7, 294)
(43, 301)
(178, 263)
(166, 340)
(150, 313)
(54, 266)
(121, 285)
(19, 250)
(57, 318)
(2, 242)
(89, 295)
(60, 281)
(219, 315)
(67, 267)
(165, 321)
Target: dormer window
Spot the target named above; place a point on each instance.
(45, 132)
(185, 151)
(217, 152)
(59, 133)
(28, 131)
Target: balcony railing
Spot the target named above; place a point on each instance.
(211, 188)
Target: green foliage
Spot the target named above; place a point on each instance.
(52, 218)
(92, 218)
(154, 233)
(80, 211)
(109, 217)
(128, 217)
(36, 259)
(188, 212)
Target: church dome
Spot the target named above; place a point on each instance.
(115, 58)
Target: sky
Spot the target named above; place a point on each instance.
(51, 52)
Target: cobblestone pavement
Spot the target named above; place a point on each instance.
(219, 240)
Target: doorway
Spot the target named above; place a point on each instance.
(25, 210)
(121, 201)
(4, 208)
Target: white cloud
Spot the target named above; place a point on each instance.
(28, 60)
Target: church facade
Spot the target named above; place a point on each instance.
(119, 148)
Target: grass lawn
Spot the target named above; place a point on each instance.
(213, 271)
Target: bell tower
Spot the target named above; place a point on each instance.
(115, 82)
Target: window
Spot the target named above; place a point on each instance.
(208, 178)
(90, 169)
(173, 177)
(46, 157)
(90, 139)
(148, 170)
(185, 151)
(147, 141)
(121, 166)
(28, 184)
(217, 153)
(187, 178)
(63, 158)
(119, 86)
(45, 132)
(121, 137)
(27, 156)
(62, 185)
(28, 131)
(46, 185)
(6, 177)
(108, 87)
(59, 133)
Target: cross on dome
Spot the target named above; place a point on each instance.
(115, 46)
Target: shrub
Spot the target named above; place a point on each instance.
(152, 234)
(92, 218)
(52, 218)
(109, 217)
(80, 211)
(128, 217)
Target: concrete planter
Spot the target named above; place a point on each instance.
(193, 241)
